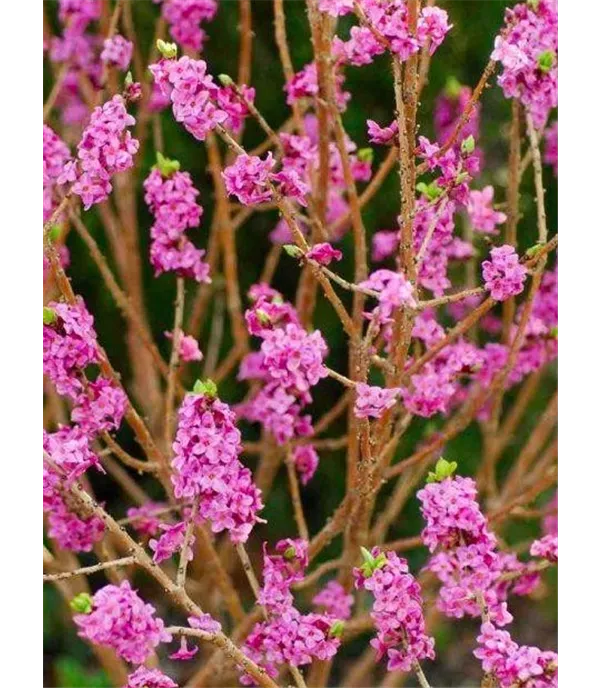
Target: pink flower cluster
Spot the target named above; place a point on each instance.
(290, 363)
(55, 154)
(504, 276)
(189, 349)
(120, 619)
(515, 665)
(481, 212)
(373, 401)
(100, 407)
(69, 346)
(106, 148)
(546, 548)
(280, 571)
(117, 52)
(306, 461)
(171, 541)
(198, 103)
(184, 18)
(528, 52)
(206, 467)
(449, 107)
(334, 601)
(144, 518)
(394, 291)
(323, 254)
(172, 200)
(149, 678)
(397, 612)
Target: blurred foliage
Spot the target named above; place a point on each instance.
(463, 55)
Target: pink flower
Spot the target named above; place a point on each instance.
(188, 347)
(546, 548)
(334, 600)
(306, 461)
(171, 541)
(324, 254)
(429, 392)
(397, 612)
(481, 212)
(120, 619)
(395, 291)
(249, 178)
(55, 155)
(384, 244)
(204, 622)
(117, 52)
(149, 678)
(336, 8)
(100, 407)
(184, 18)
(382, 135)
(184, 654)
(360, 49)
(374, 401)
(280, 571)
(504, 276)
(144, 519)
(432, 26)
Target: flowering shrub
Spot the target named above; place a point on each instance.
(239, 473)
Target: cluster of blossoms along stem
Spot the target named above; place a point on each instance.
(55, 155)
(198, 103)
(481, 211)
(106, 147)
(515, 665)
(117, 52)
(118, 618)
(528, 52)
(206, 466)
(306, 461)
(503, 274)
(450, 106)
(189, 350)
(397, 610)
(184, 18)
(171, 197)
(289, 363)
(301, 168)
(149, 678)
(288, 636)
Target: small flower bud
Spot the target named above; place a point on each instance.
(468, 145)
(50, 316)
(430, 191)
(337, 629)
(54, 233)
(167, 50)
(443, 469)
(365, 154)
(207, 388)
(290, 553)
(81, 603)
(292, 250)
(263, 318)
(546, 60)
(452, 88)
(226, 80)
(532, 251)
(166, 166)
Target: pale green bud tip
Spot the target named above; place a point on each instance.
(207, 388)
(443, 469)
(225, 79)
(81, 603)
(453, 87)
(166, 166)
(365, 155)
(167, 50)
(263, 318)
(534, 4)
(337, 629)
(49, 316)
(128, 79)
(532, 251)
(292, 250)
(468, 145)
(371, 563)
(290, 553)
(554, 332)
(430, 191)
(546, 60)
(54, 232)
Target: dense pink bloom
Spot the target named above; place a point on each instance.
(334, 600)
(324, 254)
(452, 514)
(249, 177)
(184, 18)
(106, 147)
(430, 392)
(528, 52)
(79, 12)
(280, 571)
(72, 531)
(100, 407)
(551, 147)
(306, 461)
(120, 619)
(304, 84)
(504, 275)
(55, 155)
(449, 106)
(384, 244)
(149, 678)
(336, 8)
(373, 401)
(144, 519)
(546, 548)
(394, 290)
(432, 26)
(117, 52)
(235, 107)
(69, 346)
(171, 541)
(481, 212)
(525, 666)
(193, 94)
(361, 48)
(172, 200)
(69, 448)
(206, 466)
(204, 622)
(397, 613)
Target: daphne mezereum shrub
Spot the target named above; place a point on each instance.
(258, 495)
